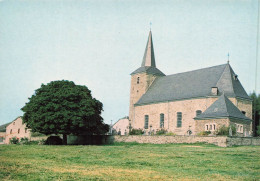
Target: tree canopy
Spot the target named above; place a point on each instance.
(61, 107)
(256, 112)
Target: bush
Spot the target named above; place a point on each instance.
(41, 142)
(14, 140)
(170, 134)
(136, 132)
(53, 140)
(223, 130)
(24, 141)
(204, 133)
(161, 132)
(37, 134)
(258, 130)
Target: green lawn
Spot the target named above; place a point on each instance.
(129, 162)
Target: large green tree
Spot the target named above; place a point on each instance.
(256, 113)
(61, 107)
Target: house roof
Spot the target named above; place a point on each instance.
(222, 107)
(194, 84)
(3, 127)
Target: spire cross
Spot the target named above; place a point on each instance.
(228, 57)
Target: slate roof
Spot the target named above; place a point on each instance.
(193, 84)
(148, 59)
(3, 127)
(222, 107)
(148, 63)
(149, 70)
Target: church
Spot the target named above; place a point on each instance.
(190, 102)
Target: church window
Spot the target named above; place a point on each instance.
(25, 130)
(206, 127)
(146, 121)
(214, 127)
(18, 130)
(11, 131)
(198, 112)
(179, 119)
(210, 127)
(161, 120)
(138, 80)
(239, 128)
(13, 123)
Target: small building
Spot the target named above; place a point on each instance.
(17, 129)
(121, 127)
(3, 132)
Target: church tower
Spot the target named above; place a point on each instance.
(143, 77)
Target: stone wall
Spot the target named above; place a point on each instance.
(139, 84)
(188, 109)
(222, 141)
(200, 124)
(219, 141)
(243, 141)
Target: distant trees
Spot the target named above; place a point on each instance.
(256, 112)
(61, 107)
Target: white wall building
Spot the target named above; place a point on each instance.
(17, 129)
(121, 127)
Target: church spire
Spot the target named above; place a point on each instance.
(148, 59)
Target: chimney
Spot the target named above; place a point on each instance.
(214, 91)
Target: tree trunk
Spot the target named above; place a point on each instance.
(64, 140)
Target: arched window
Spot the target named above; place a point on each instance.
(198, 112)
(179, 119)
(206, 127)
(138, 80)
(25, 130)
(161, 120)
(146, 121)
(18, 130)
(11, 131)
(13, 123)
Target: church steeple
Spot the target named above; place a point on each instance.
(148, 59)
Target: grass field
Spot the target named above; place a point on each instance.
(129, 162)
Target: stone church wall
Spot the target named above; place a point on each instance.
(139, 85)
(200, 124)
(245, 105)
(188, 109)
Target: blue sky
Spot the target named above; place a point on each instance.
(99, 43)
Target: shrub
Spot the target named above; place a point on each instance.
(41, 142)
(53, 140)
(24, 141)
(223, 130)
(161, 132)
(204, 133)
(14, 140)
(258, 130)
(136, 132)
(37, 134)
(170, 134)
